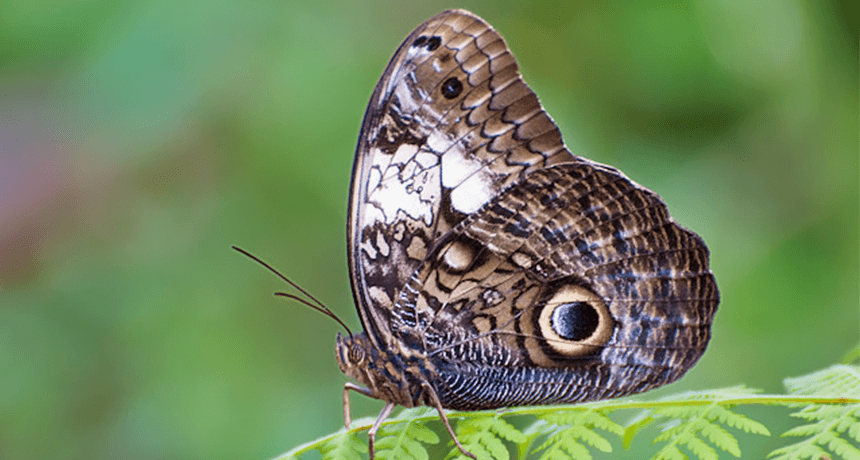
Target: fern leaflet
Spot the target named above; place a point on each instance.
(405, 440)
(697, 425)
(571, 430)
(483, 436)
(827, 423)
(699, 428)
(344, 446)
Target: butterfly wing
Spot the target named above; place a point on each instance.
(574, 284)
(524, 274)
(449, 126)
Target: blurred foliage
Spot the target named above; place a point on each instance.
(139, 140)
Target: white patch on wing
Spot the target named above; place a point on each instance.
(369, 250)
(384, 249)
(414, 196)
(404, 153)
(427, 185)
(374, 176)
(476, 191)
(456, 167)
(438, 142)
(379, 296)
(402, 156)
(369, 216)
(409, 98)
(426, 160)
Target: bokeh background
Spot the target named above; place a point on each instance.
(140, 140)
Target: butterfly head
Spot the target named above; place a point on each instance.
(382, 372)
(352, 353)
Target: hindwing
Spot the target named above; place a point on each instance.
(573, 284)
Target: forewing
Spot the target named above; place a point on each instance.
(449, 126)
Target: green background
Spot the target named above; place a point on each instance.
(139, 140)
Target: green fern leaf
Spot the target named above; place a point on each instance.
(854, 428)
(572, 429)
(694, 425)
(413, 449)
(481, 436)
(840, 379)
(739, 421)
(670, 432)
(565, 451)
(721, 438)
(401, 441)
(798, 452)
(507, 431)
(345, 446)
(671, 453)
(827, 422)
(697, 426)
(424, 434)
(699, 447)
(598, 419)
(842, 448)
(806, 430)
(642, 420)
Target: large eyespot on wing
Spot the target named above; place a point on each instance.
(449, 126)
(572, 285)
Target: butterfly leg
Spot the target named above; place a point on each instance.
(371, 435)
(347, 420)
(434, 398)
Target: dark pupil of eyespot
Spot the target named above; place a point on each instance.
(575, 320)
(419, 41)
(451, 88)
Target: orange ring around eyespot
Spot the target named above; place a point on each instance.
(568, 294)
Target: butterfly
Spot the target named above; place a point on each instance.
(490, 266)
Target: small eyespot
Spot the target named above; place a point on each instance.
(433, 43)
(575, 321)
(451, 88)
(419, 41)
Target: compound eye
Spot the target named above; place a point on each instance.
(355, 354)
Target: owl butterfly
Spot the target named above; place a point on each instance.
(490, 266)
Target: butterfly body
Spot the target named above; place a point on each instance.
(490, 266)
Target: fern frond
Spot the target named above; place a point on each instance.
(571, 430)
(483, 436)
(828, 423)
(697, 425)
(839, 379)
(405, 440)
(698, 428)
(345, 446)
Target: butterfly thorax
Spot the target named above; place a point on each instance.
(392, 375)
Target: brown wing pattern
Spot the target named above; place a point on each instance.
(574, 244)
(450, 125)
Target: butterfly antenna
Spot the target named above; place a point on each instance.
(316, 305)
(323, 310)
